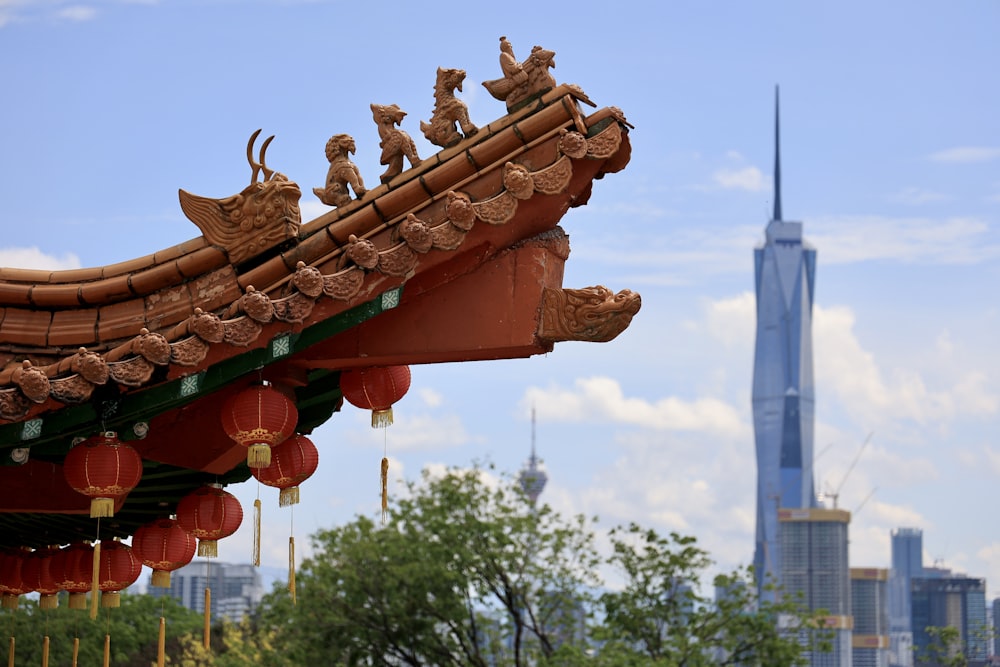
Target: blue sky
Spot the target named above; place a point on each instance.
(890, 157)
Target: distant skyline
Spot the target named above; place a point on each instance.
(890, 158)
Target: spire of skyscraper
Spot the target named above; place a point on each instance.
(532, 477)
(777, 156)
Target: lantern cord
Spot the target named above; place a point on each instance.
(291, 567)
(207, 641)
(161, 643)
(95, 573)
(255, 556)
(385, 487)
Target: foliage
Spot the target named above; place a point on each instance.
(462, 574)
(659, 617)
(133, 627)
(468, 572)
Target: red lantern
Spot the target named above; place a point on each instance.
(103, 468)
(292, 462)
(259, 417)
(210, 514)
(73, 569)
(163, 546)
(12, 585)
(119, 569)
(376, 389)
(36, 572)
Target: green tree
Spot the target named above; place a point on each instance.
(467, 572)
(463, 573)
(659, 617)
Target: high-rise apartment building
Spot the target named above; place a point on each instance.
(907, 563)
(783, 401)
(869, 606)
(236, 589)
(950, 601)
(814, 569)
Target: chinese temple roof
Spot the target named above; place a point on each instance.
(457, 258)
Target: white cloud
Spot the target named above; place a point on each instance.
(430, 397)
(77, 13)
(957, 240)
(845, 368)
(602, 398)
(916, 196)
(750, 179)
(732, 321)
(963, 154)
(33, 258)
(412, 433)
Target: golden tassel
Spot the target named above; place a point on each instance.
(76, 650)
(45, 651)
(255, 557)
(382, 418)
(102, 507)
(48, 602)
(95, 574)
(208, 548)
(289, 496)
(385, 487)
(111, 599)
(161, 644)
(259, 455)
(291, 567)
(160, 578)
(107, 650)
(207, 641)
(10, 653)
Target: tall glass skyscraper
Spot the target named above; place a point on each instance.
(783, 400)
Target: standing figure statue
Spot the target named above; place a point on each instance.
(395, 143)
(342, 173)
(522, 80)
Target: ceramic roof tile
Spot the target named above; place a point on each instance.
(73, 328)
(121, 320)
(21, 326)
(105, 291)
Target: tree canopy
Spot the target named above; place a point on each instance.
(466, 571)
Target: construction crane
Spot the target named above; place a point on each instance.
(836, 492)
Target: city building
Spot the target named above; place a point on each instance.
(996, 627)
(907, 563)
(236, 588)
(815, 570)
(783, 401)
(870, 609)
(950, 601)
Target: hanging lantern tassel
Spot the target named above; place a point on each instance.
(289, 496)
(45, 651)
(107, 650)
(95, 576)
(291, 567)
(382, 418)
(255, 557)
(207, 641)
(76, 650)
(385, 487)
(161, 644)
(10, 653)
